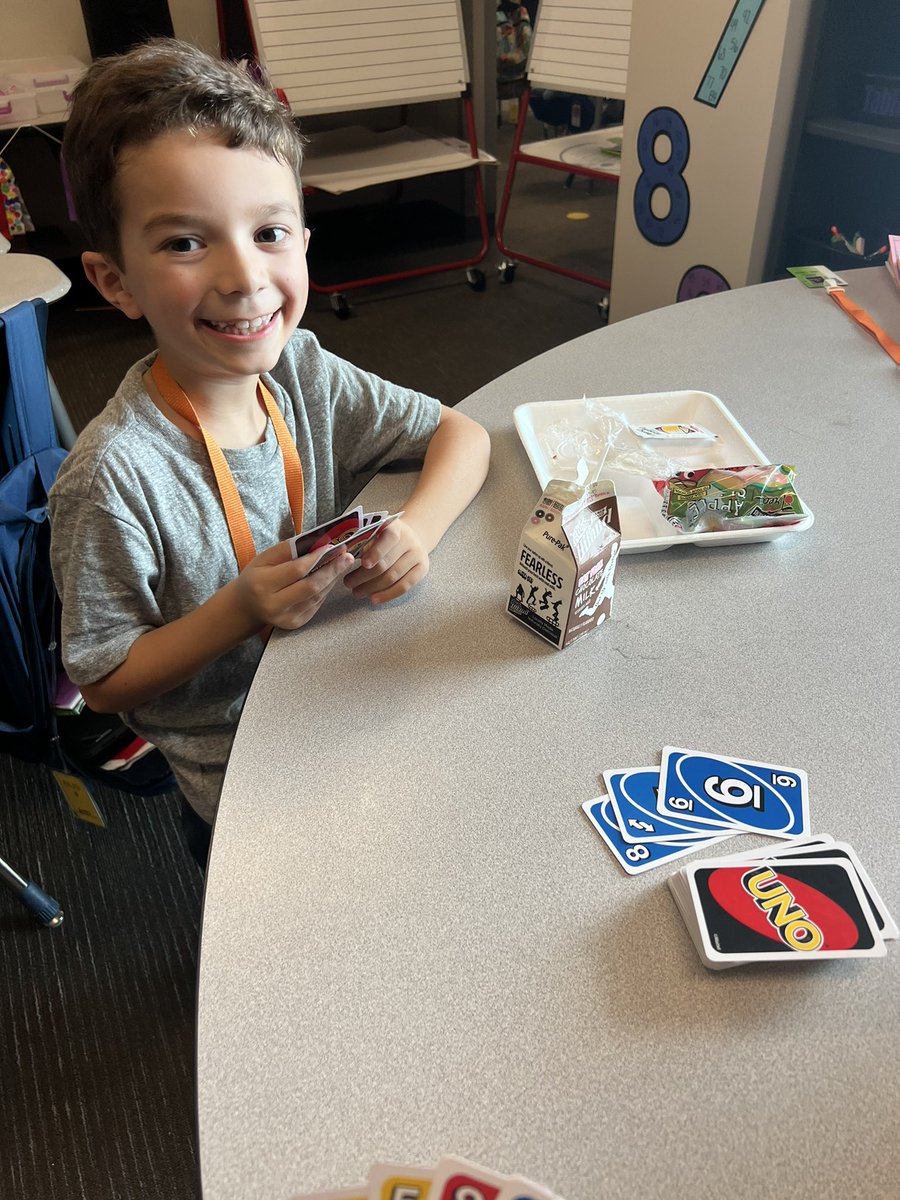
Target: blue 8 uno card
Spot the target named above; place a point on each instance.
(733, 793)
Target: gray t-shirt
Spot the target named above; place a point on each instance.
(139, 536)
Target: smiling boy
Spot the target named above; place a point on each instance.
(185, 175)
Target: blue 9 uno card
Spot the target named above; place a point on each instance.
(733, 793)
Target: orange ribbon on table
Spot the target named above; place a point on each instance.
(862, 318)
(238, 525)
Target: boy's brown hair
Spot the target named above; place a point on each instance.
(163, 86)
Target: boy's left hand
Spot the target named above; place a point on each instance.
(391, 565)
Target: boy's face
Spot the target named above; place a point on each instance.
(213, 253)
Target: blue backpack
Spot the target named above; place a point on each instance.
(30, 456)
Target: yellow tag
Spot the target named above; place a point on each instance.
(79, 799)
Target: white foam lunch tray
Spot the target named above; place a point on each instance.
(643, 526)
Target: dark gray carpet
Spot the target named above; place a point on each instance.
(96, 1100)
(97, 1015)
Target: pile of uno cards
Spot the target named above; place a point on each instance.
(808, 899)
(352, 531)
(803, 901)
(693, 800)
(452, 1179)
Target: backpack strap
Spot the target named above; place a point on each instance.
(28, 425)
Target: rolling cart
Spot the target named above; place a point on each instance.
(579, 48)
(352, 57)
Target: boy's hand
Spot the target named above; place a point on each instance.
(275, 589)
(392, 564)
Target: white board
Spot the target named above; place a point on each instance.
(581, 46)
(345, 55)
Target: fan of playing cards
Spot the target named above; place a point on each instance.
(694, 800)
(452, 1179)
(808, 899)
(352, 531)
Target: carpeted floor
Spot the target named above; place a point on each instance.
(97, 1015)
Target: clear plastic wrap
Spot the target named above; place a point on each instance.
(602, 440)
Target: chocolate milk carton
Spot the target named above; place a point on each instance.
(566, 564)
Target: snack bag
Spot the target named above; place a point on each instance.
(565, 568)
(711, 499)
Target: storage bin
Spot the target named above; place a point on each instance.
(37, 90)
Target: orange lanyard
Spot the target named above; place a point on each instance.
(238, 525)
(861, 317)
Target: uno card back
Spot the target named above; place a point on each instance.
(782, 908)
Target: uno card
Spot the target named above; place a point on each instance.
(356, 541)
(634, 795)
(330, 532)
(458, 1179)
(824, 846)
(395, 1181)
(781, 909)
(635, 857)
(884, 922)
(733, 793)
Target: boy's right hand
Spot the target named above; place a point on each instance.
(275, 589)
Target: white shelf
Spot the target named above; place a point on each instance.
(857, 133)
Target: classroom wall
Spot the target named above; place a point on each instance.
(714, 191)
(56, 27)
(49, 27)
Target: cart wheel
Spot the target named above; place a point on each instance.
(603, 309)
(507, 271)
(476, 279)
(339, 305)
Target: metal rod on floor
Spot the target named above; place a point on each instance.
(35, 899)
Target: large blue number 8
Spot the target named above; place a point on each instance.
(667, 176)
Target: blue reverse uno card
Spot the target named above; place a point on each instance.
(733, 793)
(635, 857)
(634, 798)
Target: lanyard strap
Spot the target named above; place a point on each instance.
(238, 525)
(861, 317)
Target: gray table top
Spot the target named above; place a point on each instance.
(413, 941)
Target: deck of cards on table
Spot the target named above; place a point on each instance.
(803, 901)
(452, 1179)
(809, 898)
